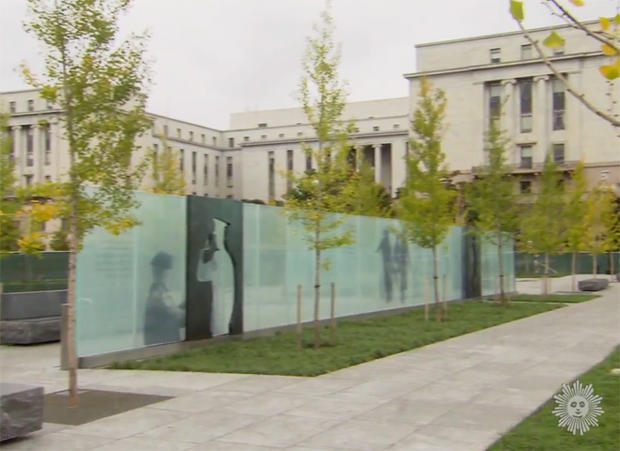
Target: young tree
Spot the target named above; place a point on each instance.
(167, 177)
(576, 213)
(612, 223)
(369, 197)
(493, 199)
(9, 231)
(426, 202)
(600, 213)
(100, 86)
(317, 194)
(607, 35)
(543, 228)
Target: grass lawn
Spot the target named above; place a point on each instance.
(541, 432)
(357, 341)
(563, 298)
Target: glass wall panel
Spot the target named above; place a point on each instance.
(377, 272)
(131, 287)
(489, 273)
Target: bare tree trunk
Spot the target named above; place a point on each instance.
(573, 271)
(332, 315)
(71, 339)
(317, 287)
(299, 329)
(436, 286)
(594, 271)
(502, 295)
(546, 278)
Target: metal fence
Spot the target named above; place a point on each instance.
(45, 271)
(529, 265)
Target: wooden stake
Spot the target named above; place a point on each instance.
(332, 328)
(299, 316)
(426, 295)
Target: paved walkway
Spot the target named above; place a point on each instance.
(460, 394)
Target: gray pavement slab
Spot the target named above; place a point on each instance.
(460, 394)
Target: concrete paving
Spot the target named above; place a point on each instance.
(460, 394)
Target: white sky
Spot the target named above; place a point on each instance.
(215, 57)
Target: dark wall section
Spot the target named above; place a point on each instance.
(472, 287)
(214, 267)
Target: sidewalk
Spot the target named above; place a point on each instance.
(460, 394)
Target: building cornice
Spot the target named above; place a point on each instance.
(311, 139)
(492, 66)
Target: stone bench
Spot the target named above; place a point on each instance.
(30, 331)
(21, 408)
(593, 284)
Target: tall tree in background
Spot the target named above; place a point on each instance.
(100, 85)
(600, 213)
(369, 197)
(543, 228)
(575, 217)
(606, 34)
(9, 230)
(167, 177)
(426, 201)
(492, 198)
(322, 191)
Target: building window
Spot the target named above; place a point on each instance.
(12, 107)
(558, 51)
(202, 138)
(558, 153)
(11, 136)
(289, 167)
(495, 102)
(263, 136)
(558, 104)
(191, 136)
(496, 55)
(375, 128)
(194, 167)
(526, 157)
(205, 170)
(308, 161)
(525, 101)
(272, 175)
(396, 126)
(526, 51)
(47, 145)
(30, 105)
(29, 146)
(356, 130)
(179, 133)
(525, 186)
(49, 105)
(229, 172)
(181, 160)
(165, 130)
(231, 142)
(28, 179)
(48, 178)
(217, 170)
(246, 138)
(281, 135)
(300, 133)
(214, 141)
(262, 125)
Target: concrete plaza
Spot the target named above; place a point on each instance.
(459, 394)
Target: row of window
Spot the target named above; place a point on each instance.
(525, 95)
(527, 52)
(525, 154)
(13, 107)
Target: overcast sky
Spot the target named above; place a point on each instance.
(215, 57)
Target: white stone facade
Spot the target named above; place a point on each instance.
(247, 160)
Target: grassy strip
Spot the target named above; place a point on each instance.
(358, 341)
(563, 298)
(540, 431)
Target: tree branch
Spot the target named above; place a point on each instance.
(569, 87)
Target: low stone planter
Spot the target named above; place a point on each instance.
(593, 284)
(21, 407)
(31, 317)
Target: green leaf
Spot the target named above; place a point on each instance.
(577, 2)
(605, 22)
(609, 50)
(554, 40)
(516, 9)
(611, 71)
(617, 18)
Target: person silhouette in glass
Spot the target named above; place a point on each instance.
(162, 319)
(401, 263)
(386, 251)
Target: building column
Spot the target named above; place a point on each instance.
(377, 148)
(18, 154)
(542, 119)
(36, 151)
